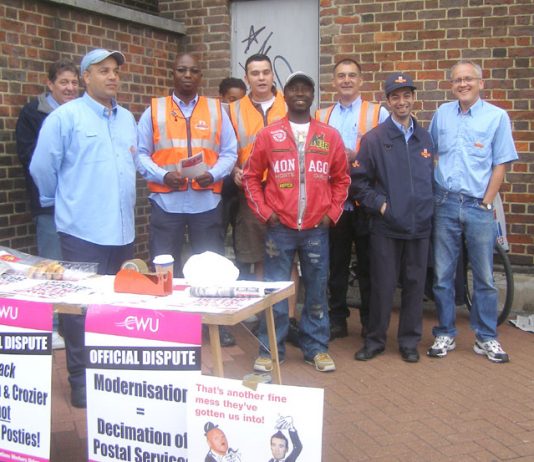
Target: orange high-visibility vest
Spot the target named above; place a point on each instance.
(369, 113)
(177, 137)
(248, 121)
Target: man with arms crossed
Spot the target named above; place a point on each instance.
(353, 117)
(249, 115)
(84, 163)
(474, 145)
(306, 186)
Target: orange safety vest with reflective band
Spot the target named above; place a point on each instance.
(177, 137)
(248, 121)
(369, 113)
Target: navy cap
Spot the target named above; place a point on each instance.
(99, 55)
(299, 75)
(396, 81)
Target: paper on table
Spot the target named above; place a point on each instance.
(192, 166)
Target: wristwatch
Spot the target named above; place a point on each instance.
(486, 206)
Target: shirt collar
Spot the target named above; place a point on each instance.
(475, 108)
(402, 128)
(180, 103)
(99, 108)
(355, 105)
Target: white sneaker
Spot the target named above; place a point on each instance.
(442, 345)
(492, 349)
(57, 341)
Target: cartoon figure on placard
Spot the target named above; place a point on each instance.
(280, 444)
(219, 450)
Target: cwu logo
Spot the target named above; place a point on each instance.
(9, 312)
(140, 324)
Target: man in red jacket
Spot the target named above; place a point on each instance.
(306, 186)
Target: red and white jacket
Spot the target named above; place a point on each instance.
(300, 191)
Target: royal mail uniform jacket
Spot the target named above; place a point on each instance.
(318, 183)
(391, 170)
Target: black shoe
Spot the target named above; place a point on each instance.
(338, 330)
(293, 333)
(410, 355)
(226, 337)
(365, 354)
(78, 397)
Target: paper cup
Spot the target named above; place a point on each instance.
(163, 264)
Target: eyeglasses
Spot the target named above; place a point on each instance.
(185, 70)
(461, 80)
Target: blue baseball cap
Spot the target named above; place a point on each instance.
(98, 55)
(398, 80)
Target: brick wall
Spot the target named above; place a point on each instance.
(425, 38)
(32, 35)
(422, 37)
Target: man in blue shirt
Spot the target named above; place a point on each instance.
(84, 164)
(474, 145)
(171, 131)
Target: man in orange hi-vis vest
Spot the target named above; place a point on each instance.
(174, 133)
(353, 117)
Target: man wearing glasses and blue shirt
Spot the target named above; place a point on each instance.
(474, 145)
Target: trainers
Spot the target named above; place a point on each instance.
(265, 364)
(492, 349)
(442, 345)
(323, 362)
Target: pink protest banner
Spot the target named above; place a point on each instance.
(25, 380)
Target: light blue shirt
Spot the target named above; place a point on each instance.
(469, 145)
(346, 119)
(189, 201)
(84, 162)
(407, 132)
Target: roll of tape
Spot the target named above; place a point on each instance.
(136, 264)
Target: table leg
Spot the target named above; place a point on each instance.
(215, 342)
(273, 345)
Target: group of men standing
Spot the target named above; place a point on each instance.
(292, 171)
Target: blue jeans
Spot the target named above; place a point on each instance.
(456, 215)
(312, 246)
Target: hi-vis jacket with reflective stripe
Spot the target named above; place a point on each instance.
(177, 137)
(249, 120)
(369, 114)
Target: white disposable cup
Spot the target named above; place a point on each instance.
(163, 264)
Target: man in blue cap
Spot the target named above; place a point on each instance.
(84, 165)
(392, 178)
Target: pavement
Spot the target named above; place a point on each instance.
(458, 408)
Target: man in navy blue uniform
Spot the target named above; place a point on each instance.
(392, 179)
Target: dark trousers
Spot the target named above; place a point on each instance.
(167, 232)
(393, 260)
(109, 259)
(350, 228)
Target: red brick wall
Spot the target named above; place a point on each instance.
(425, 38)
(32, 35)
(422, 37)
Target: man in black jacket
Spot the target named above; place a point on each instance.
(63, 83)
(393, 180)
